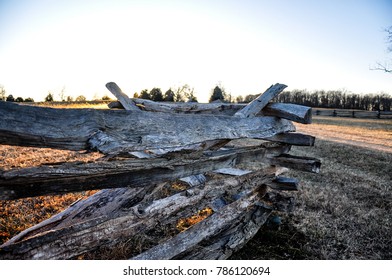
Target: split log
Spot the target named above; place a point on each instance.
(295, 139)
(128, 104)
(254, 107)
(118, 131)
(71, 177)
(284, 184)
(105, 203)
(308, 164)
(125, 101)
(232, 239)
(232, 171)
(194, 180)
(292, 112)
(236, 236)
(296, 113)
(93, 232)
(201, 231)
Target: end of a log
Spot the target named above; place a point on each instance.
(125, 101)
(297, 163)
(115, 105)
(260, 102)
(293, 112)
(295, 139)
(284, 184)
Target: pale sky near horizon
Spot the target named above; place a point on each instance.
(246, 46)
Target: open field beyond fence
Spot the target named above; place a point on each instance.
(341, 213)
(345, 211)
(362, 114)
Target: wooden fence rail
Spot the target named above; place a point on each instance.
(353, 113)
(227, 158)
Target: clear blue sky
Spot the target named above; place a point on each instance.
(246, 46)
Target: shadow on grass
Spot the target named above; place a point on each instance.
(282, 242)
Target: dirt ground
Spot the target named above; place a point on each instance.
(367, 133)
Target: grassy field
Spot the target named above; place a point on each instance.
(345, 211)
(342, 213)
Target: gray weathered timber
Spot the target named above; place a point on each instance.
(194, 180)
(231, 239)
(63, 241)
(183, 107)
(308, 164)
(128, 104)
(119, 131)
(295, 139)
(108, 203)
(254, 107)
(232, 171)
(71, 177)
(201, 231)
(292, 112)
(284, 184)
(112, 203)
(125, 101)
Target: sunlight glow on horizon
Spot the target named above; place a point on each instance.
(246, 46)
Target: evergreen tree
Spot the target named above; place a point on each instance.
(169, 95)
(49, 97)
(217, 94)
(156, 94)
(10, 98)
(144, 94)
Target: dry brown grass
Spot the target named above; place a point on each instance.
(75, 105)
(345, 211)
(20, 214)
(367, 133)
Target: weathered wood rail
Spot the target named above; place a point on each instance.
(227, 158)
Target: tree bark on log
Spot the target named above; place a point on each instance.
(68, 240)
(125, 101)
(292, 112)
(231, 239)
(201, 231)
(254, 107)
(284, 184)
(71, 177)
(118, 131)
(295, 139)
(308, 164)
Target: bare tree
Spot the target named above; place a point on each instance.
(2, 92)
(385, 66)
(81, 98)
(185, 92)
(62, 94)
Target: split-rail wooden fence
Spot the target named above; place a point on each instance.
(162, 162)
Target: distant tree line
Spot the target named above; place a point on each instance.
(180, 94)
(10, 98)
(336, 99)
